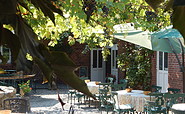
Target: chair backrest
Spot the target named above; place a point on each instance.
(173, 90)
(17, 105)
(159, 99)
(156, 88)
(104, 97)
(122, 81)
(171, 99)
(116, 87)
(84, 78)
(109, 80)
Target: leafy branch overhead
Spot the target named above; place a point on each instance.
(177, 7)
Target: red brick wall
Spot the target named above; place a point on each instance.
(121, 74)
(153, 69)
(175, 78)
(79, 58)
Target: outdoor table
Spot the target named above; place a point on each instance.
(16, 77)
(178, 108)
(135, 97)
(94, 88)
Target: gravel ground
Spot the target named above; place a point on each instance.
(45, 101)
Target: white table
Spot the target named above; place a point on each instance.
(93, 88)
(136, 98)
(178, 108)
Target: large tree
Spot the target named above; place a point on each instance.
(22, 21)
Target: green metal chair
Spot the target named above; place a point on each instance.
(123, 81)
(126, 108)
(156, 106)
(156, 88)
(76, 94)
(116, 87)
(84, 78)
(109, 80)
(171, 99)
(79, 97)
(71, 95)
(173, 90)
(105, 100)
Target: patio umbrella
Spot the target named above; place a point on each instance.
(147, 40)
(168, 34)
(166, 40)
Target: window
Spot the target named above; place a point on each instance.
(97, 59)
(163, 61)
(114, 59)
(6, 53)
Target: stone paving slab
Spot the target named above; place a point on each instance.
(45, 101)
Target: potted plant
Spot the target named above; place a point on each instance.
(25, 88)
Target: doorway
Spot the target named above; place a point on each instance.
(162, 70)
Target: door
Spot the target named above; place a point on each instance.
(114, 66)
(97, 65)
(162, 70)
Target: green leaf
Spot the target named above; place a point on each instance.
(23, 4)
(44, 8)
(64, 68)
(53, 8)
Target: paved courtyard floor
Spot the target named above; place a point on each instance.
(45, 101)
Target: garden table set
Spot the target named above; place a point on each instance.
(136, 97)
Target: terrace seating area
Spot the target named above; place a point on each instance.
(111, 98)
(108, 101)
(117, 98)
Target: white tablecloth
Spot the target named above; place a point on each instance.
(93, 88)
(136, 98)
(179, 107)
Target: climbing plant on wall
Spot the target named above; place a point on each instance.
(136, 61)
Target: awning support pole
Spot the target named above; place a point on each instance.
(181, 65)
(173, 50)
(183, 73)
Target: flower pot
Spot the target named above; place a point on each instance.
(97, 83)
(21, 93)
(128, 89)
(146, 92)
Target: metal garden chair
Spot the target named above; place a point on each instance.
(171, 99)
(157, 106)
(173, 90)
(109, 80)
(17, 105)
(156, 88)
(125, 108)
(105, 100)
(116, 87)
